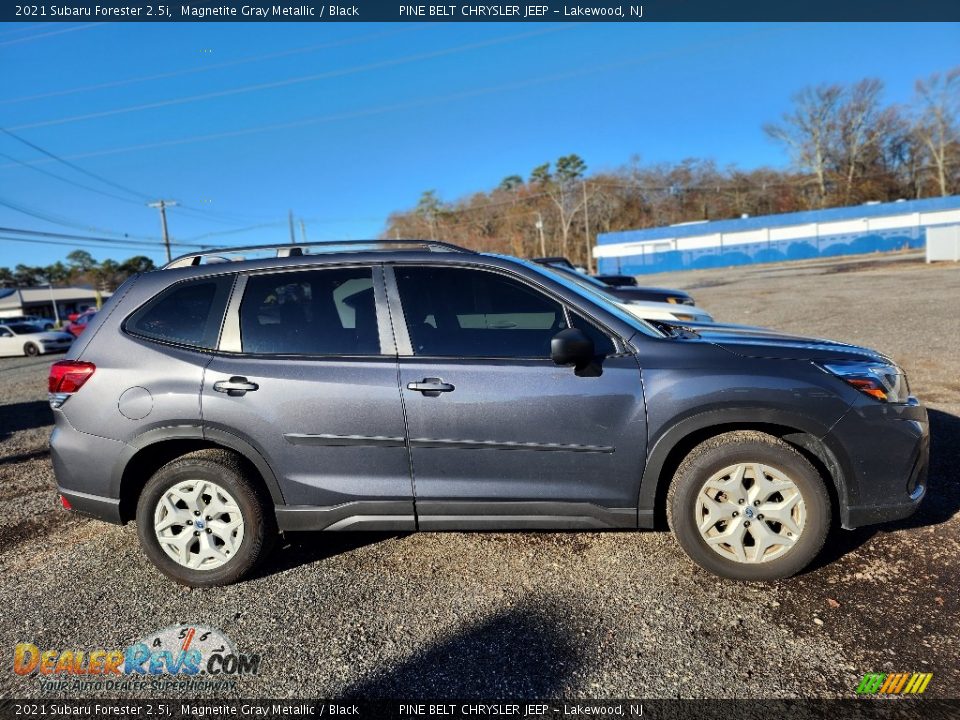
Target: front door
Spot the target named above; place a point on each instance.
(500, 437)
(310, 380)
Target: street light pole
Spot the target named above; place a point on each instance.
(56, 311)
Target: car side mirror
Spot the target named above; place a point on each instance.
(572, 347)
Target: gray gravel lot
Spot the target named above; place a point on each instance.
(538, 614)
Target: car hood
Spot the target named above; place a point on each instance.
(759, 342)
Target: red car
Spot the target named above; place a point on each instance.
(79, 322)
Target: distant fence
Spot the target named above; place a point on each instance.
(727, 255)
(854, 230)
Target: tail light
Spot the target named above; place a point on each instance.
(66, 377)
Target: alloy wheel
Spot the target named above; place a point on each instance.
(750, 513)
(198, 524)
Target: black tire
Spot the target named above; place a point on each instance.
(226, 470)
(722, 451)
(31, 349)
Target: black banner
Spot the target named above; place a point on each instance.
(905, 708)
(518, 11)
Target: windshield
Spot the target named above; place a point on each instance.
(582, 285)
(22, 328)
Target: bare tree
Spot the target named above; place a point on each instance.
(809, 132)
(863, 125)
(936, 126)
(563, 188)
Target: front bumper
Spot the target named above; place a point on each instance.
(885, 454)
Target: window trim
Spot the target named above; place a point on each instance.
(125, 325)
(231, 340)
(402, 334)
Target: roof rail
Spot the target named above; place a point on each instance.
(317, 248)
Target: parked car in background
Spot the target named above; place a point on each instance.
(218, 403)
(79, 322)
(617, 280)
(29, 339)
(42, 322)
(643, 309)
(624, 292)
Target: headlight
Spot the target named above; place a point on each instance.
(879, 380)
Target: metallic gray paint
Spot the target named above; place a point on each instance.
(341, 443)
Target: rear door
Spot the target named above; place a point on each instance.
(500, 437)
(307, 374)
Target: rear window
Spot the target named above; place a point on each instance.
(188, 313)
(310, 312)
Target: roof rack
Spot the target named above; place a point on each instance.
(310, 248)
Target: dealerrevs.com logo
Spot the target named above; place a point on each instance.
(181, 657)
(894, 683)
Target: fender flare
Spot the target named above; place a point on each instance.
(650, 483)
(198, 432)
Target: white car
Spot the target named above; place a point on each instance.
(667, 312)
(27, 339)
(643, 309)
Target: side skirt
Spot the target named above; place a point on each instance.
(399, 516)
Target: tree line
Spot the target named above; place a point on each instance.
(846, 147)
(80, 268)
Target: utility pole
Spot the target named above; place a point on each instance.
(293, 236)
(543, 243)
(303, 231)
(586, 228)
(163, 205)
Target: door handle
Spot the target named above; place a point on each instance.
(431, 386)
(235, 386)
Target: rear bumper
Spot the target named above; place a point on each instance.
(96, 506)
(83, 464)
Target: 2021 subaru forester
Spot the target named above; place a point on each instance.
(418, 386)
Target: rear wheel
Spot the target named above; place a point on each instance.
(202, 520)
(31, 349)
(748, 506)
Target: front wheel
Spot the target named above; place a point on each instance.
(31, 349)
(748, 506)
(202, 521)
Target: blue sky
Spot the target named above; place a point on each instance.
(344, 123)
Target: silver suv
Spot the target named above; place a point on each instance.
(408, 386)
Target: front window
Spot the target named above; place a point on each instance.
(463, 312)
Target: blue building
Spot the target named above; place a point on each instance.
(774, 238)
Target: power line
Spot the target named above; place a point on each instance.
(43, 233)
(94, 244)
(384, 109)
(39, 36)
(215, 66)
(296, 80)
(71, 165)
(25, 28)
(66, 222)
(69, 181)
(83, 171)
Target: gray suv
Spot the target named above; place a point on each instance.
(400, 386)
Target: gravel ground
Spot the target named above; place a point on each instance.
(538, 614)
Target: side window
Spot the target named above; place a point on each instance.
(310, 312)
(602, 343)
(188, 313)
(464, 312)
